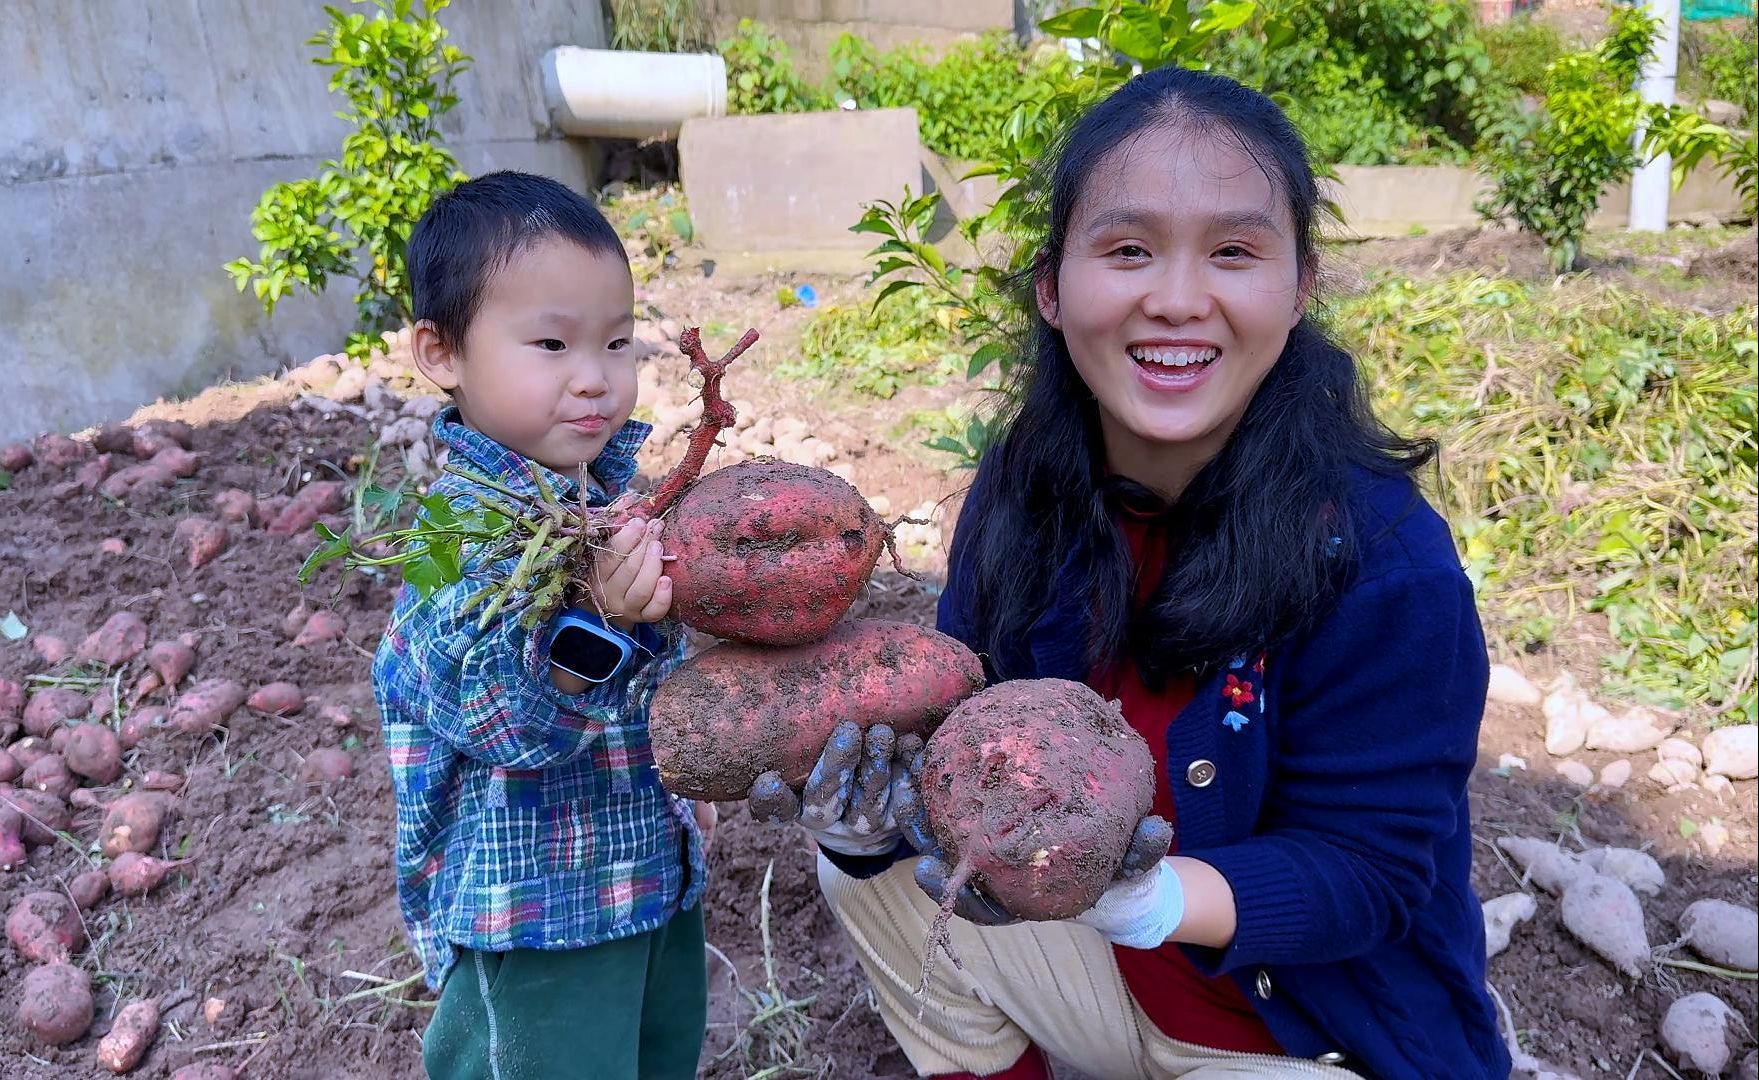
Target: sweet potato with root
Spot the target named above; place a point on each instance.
(132, 823)
(55, 1003)
(94, 752)
(156, 436)
(49, 708)
(49, 774)
(88, 888)
(44, 815)
(277, 699)
(16, 457)
(1036, 787)
(134, 874)
(129, 1037)
(119, 640)
(45, 927)
(167, 664)
(236, 506)
(770, 553)
(204, 538)
(147, 476)
(326, 765)
(1722, 933)
(159, 780)
(141, 723)
(1604, 914)
(735, 711)
(321, 626)
(312, 501)
(207, 706)
(85, 798)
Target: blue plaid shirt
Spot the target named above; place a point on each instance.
(527, 818)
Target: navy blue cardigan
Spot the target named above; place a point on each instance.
(1328, 786)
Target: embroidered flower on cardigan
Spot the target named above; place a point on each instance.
(1236, 720)
(1238, 692)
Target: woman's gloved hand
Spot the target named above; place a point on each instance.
(849, 803)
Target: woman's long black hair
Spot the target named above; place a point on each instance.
(1261, 537)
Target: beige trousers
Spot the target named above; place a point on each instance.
(1054, 984)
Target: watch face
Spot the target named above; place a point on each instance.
(581, 652)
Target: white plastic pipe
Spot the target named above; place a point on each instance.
(1652, 183)
(613, 93)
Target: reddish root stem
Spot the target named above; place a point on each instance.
(939, 937)
(892, 547)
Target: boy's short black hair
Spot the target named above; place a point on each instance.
(471, 232)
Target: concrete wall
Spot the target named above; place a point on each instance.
(136, 136)
(809, 26)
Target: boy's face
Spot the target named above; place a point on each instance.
(546, 369)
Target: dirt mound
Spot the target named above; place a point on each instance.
(1737, 261)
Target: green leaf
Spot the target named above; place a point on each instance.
(895, 286)
(1219, 16)
(1138, 34)
(12, 628)
(1081, 22)
(5, 480)
(681, 225)
(990, 353)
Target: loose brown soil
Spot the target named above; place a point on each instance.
(277, 946)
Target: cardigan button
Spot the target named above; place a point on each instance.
(1262, 984)
(1200, 773)
(1330, 1058)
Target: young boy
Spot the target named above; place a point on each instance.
(548, 881)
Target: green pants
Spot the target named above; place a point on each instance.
(631, 1009)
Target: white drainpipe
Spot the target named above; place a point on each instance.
(1652, 183)
(615, 93)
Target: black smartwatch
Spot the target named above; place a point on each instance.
(582, 645)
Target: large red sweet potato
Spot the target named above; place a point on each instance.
(769, 552)
(735, 711)
(118, 641)
(55, 1003)
(49, 708)
(1036, 787)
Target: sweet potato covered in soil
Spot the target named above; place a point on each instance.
(119, 640)
(43, 814)
(168, 662)
(94, 752)
(313, 501)
(49, 774)
(141, 723)
(11, 700)
(326, 764)
(55, 1004)
(132, 823)
(12, 849)
(129, 1037)
(321, 626)
(204, 540)
(735, 711)
(9, 767)
(45, 927)
(88, 888)
(277, 699)
(209, 704)
(134, 874)
(16, 458)
(48, 708)
(1036, 787)
(769, 552)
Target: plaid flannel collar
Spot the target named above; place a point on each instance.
(612, 469)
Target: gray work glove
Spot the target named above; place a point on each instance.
(849, 801)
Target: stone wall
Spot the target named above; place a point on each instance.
(809, 26)
(136, 136)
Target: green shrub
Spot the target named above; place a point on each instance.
(877, 349)
(761, 76)
(1520, 51)
(1599, 456)
(1724, 64)
(353, 219)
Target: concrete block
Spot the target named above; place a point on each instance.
(795, 182)
(1387, 200)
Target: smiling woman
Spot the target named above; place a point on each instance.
(1195, 513)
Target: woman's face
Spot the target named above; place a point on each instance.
(1178, 287)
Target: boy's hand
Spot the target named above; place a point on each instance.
(706, 816)
(629, 585)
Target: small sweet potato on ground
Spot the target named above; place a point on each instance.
(114, 439)
(55, 1004)
(156, 436)
(207, 706)
(1605, 915)
(313, 501)
(132, 823)
(128, 1039)
(1722, 933)
(45, 927)
(12, 849)
(769, 552)
(204, 538)
(134, 874)
(58, 451)
(16, 457)
(49, 774)
(141, 723)
(734, 711)
(323, 625)
(1036, 786)
(51, 648)
(94, 752)
(119, 640)
(44, 815)
(30, 750)
(325, 765)
(277, 699)
(88, 888)
(237, 507)
(159, 780)
(48, 709)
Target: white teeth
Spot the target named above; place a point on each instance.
(1176, 358)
